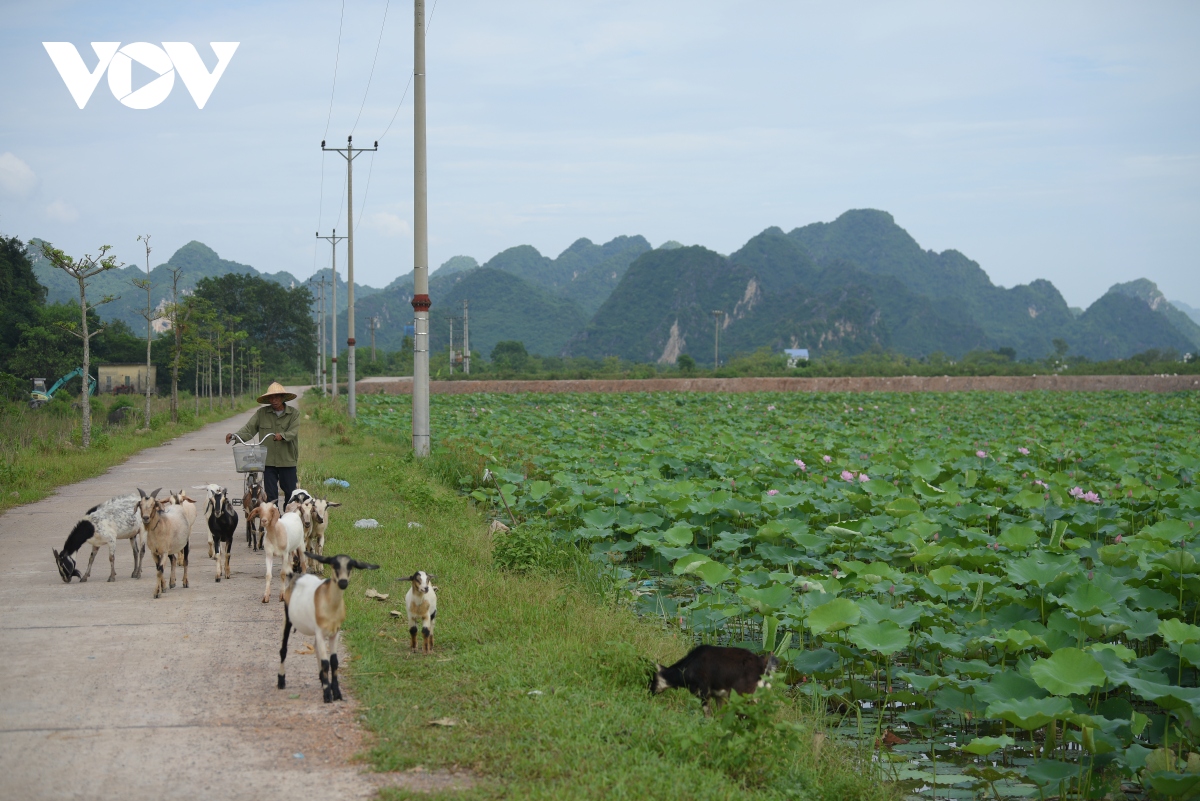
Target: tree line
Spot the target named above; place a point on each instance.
(223, 337)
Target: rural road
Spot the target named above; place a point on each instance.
(112, 694)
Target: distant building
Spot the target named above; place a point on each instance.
(126, 379)
(796, 355)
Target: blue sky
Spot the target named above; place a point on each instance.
(1057, 141)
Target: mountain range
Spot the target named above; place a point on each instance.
(856, 284)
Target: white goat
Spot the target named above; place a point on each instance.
(168, 529)
(283, 535)
(421, 604)
(317, 608)
(104, 524)
(314, 538)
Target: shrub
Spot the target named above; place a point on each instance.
(13, 388)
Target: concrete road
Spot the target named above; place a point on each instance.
(109, 693)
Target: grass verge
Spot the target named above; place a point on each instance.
(40, 448)
(543, 673)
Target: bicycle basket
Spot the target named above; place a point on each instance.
(250, 457)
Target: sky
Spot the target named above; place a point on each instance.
(1057, 141)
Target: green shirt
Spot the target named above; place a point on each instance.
(285, 453)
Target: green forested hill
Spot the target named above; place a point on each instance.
(197, 260)
(856, 284)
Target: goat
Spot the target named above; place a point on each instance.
(299, 495)
(314, 538)
(317, 608)
(168, 529)
(255, 494)
(421, 604)
(104, 524)
(712, 671)
(222, 522)
(283, 536)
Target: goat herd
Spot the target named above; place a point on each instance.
(312, 605)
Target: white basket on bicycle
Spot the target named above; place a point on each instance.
(249, 457)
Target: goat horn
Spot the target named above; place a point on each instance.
(155, 493)
(142, 492)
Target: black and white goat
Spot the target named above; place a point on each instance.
(104, 524)
(317, 608)
(255, 494)
(712, 671)
(222, 523)
(420, 602)
(314, 536)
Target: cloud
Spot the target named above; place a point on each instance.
(62, 211)
(388, 224)
(16, 177)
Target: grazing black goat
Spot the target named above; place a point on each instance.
(711, 671)
(222, 523)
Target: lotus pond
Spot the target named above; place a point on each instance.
(997, 592)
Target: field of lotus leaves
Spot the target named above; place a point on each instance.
(998, 592)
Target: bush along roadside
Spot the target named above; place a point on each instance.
(40, 448)
(538, 683)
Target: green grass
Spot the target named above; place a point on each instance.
(544, 671)
(40, 448)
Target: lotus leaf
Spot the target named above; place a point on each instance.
(767, 599)
(901, 507)
(678, 535)
(982, 746)
(1069, 671)
(1029, 713)
(713, 573)
(836, 615)
(689, 563)
(599, 518)
(1178, 632)
(884, 637)
(1018, 538)
(1050, 772)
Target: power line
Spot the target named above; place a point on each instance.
(378, 41)
(337, 56)
(428, 22)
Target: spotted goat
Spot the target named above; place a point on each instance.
(222, 523)
(420, 603)
(104, 524)
(317, 608)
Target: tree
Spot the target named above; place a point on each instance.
(686, 363)
(277, 320)
(82, 271)
(510, 355)
(21, 296)
(144, 283)
(179, 316)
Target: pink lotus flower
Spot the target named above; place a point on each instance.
(847, 475)
(861, 476)
(1076, 492)
(1118, 539)
(769, 408)
(981, 454)
(800, 463)
(1041, 483)
(1023, 451)
(769, 492)
(912, 409)
(826, 458)
(1090, 497)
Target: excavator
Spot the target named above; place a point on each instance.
(40, 395)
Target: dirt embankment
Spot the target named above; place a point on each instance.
(1073, 383)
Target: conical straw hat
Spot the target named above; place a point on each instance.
(276, 389)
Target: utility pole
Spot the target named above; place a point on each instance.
(349, 153)
(321, 373)
(717, 315)
(374, 324)
(145, 239)
(333, 239)
(420, 301)
(451, 319)
(466, 342)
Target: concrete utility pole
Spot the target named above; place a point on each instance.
(420, 301)
(717, 315)
(323, 374)
(333, 239)
(374, 324)
(349, 153)
(451, 319)
(466, 342)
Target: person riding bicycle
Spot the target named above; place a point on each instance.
(279, 424)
